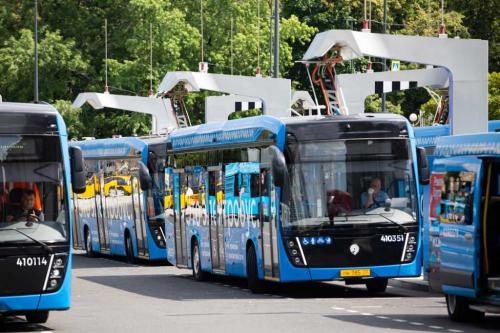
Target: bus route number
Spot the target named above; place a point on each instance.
(392, 238)
(31, 261)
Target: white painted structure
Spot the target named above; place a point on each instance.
(466, 61)
(355, 88)
(164, 119)
(275, 94)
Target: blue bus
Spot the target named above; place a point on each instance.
(296, 199)
(35, 210)
(463, 232)
(426, 137)
(117, 214)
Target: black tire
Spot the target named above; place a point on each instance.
(459, 310)
(377, 285)
(255, 284)
(129, 249)
(88, 244)
(198, 273)
(37, 317)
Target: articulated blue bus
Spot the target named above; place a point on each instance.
(116, 215)
(296, 199)
(463, 233)
(35, 210)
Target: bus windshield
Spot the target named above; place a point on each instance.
(32, 204)
(347, 182)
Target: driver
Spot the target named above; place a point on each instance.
(374, 197)
(26, 211)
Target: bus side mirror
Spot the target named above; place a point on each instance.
(145, 178)
(280, 172)
(423, 166)
(78, 179)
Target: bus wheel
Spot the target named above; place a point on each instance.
(458, 309)
(255, 284)
(37, 317)
(377, 285)
(129, 249)
(88, 244)
(198, 273)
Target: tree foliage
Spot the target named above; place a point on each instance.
(71, 45)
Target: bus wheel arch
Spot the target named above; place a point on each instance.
(255, 284)
(459, 310)
(88, 241)
(129, 247)
(198, 273)
(37, 317)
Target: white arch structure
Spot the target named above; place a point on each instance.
(465, 60)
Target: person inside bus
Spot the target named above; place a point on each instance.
(374, 197)
(26, 210)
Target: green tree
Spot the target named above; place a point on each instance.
(482, 20)
(494, 96)
(60, 67)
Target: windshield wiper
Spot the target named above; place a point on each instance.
(42, 244)
(400, 226)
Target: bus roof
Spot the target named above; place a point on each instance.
(116, 147)
(486, 144)
(427, 136)
(226, 132)
(27, 108)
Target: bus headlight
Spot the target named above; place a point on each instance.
(52, 284)
(56, 272)
(294, 252)
(410, 248)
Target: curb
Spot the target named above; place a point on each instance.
(408, 284)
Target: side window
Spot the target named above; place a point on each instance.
(237, 184)
(254, 185)
(452, 196)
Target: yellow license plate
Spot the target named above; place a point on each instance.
(355, 272)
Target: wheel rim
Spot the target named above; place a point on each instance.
(129, 249)
(88, 243)
(452, 303)
(196, 260)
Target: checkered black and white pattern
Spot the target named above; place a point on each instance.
(244, 106)
(390, 86)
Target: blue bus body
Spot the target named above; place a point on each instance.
(227, 201)
(115, 216)
(36, 269)
(427, 138)
(462, 229)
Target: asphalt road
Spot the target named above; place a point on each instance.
(112, 296)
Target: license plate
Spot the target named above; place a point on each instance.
(355, 272)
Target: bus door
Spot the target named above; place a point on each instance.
(139, 217)
(102, 227)
(216, 222)
(454, 256)
(78, 243)
(269, 239)
(181, 202)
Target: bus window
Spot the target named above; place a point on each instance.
(457, 198)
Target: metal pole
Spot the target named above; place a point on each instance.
(201, 26)
(232, 63)
(270, 38)
(276, 38)
(106, 88)
(258, 34)
(150, 58)
(36, 52)
(384, 30)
